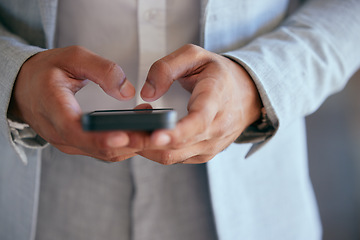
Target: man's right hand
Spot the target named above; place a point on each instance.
(43, 97)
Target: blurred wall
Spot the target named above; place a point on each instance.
(334, 162)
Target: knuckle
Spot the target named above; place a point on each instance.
(107, 154)
(162, 67)
(166, 158)
(76, 49)
(75, 52)
(161, 71)
(192, 48)
(195, 51)
(118, 159)
(199, 159)
(205, 158)
(112, 69)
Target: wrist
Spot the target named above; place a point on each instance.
(258, 131)
(13, 112)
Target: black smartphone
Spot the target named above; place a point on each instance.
(134, 119)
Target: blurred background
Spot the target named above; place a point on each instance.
(334, 160)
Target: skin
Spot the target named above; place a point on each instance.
(224, 101)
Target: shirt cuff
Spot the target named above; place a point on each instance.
(257, 133)
(24, 135)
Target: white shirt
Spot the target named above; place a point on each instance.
(143, 33)
(134, 34)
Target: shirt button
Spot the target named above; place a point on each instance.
(150, 15)
(155, 17)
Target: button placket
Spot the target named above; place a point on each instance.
(152, 38)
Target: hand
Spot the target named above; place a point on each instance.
(223, 103)
(43, 97)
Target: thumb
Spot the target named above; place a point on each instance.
(179, 65)
(83, 64)
(165, 71)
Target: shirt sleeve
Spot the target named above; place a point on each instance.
(303, 61)
(13, 53)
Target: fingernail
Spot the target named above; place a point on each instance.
(148, 90)
(162, 140)
(116, 141)
(127, 90)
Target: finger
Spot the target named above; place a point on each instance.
(195, 154)
(83, 64)
(165, 71)
(122, 157)
(75, 151)
(102, 145)
(200, 159)
(64, 126)
(167, 157)
(197, 125)
(68, 127)
(68, 122)
(143, 106)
